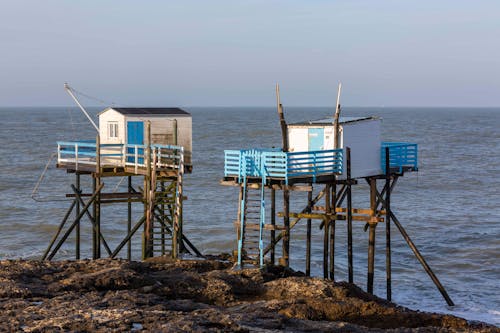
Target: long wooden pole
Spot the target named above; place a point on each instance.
(419, 256)
(388, 268)
(59, 229)
(97, 202)
(129, 219)
(286, 223)
(308, 234)
(148, 248)
(293, 223)
(284, 129)
(336, 125)
(327, 231)
(332, 230)
(77, 231)
(273, 222)
(78, 217)
(371, 236)
(350, 264)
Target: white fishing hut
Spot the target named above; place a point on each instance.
(361, 134)
(169, 126)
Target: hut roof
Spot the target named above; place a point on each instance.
(149, 111)
(329, 121)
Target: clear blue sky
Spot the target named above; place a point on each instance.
(231, 53)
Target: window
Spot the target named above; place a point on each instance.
(112, 129)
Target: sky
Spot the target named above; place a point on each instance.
(232, 53)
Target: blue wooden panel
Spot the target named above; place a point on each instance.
(316, 139)
(135, 136)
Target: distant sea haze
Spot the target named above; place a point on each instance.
(449, 208)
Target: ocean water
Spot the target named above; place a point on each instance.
(450, 208)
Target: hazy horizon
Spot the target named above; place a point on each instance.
(232, 53)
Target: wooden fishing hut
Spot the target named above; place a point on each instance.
(331, 155)
(151, 148)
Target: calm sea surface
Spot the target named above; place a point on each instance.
(450, 208)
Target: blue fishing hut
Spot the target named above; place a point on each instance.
(332, 157)
(152, 145)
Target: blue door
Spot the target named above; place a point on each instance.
(135, 136)
(316, 139)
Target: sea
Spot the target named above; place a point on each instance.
(450, 208)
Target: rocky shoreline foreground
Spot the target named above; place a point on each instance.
(195, 296)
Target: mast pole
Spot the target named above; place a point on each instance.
(336, 126)
(69, 90)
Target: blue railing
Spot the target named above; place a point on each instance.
(277, 164)
(402, 156)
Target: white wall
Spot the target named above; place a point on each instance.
(298, 139)
(108, 116)
(363, 137)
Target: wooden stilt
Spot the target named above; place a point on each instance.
(286, 223)
(332, 232)
(293, 223)
(59, 229)
(273, 222)
(129, 218)
(148, 225)
(92, 220)
(326, 231)
(128, 237)
(308, 234)
(388, 225)
(77, 211)
(94, 214)
(350, 266)
(371, 236)
(97, 203)
(78, 217)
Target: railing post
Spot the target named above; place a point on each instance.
(136, 160)
(76, 156)
(124, 154)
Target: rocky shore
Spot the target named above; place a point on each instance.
(195, 296)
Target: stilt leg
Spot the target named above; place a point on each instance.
(308, 235)
(388, 226)
(371, 236)
(349, 219)
(77, 212)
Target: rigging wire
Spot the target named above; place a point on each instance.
(34, 193)
(97, 99)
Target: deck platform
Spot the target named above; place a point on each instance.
(119, 159)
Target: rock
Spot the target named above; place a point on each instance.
(162, 294)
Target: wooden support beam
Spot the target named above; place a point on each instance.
(92, 221)
(387, 205)
(77, 231)
(332, 232)
(273, 222)
(308, 235)
(293, 223)
(77, 218)
(350, 264)
(323, 216)
(371, 238)
(59, 229)
(128, 237)
(286, 233)
(326, 230)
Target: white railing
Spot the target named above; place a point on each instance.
(84, 153)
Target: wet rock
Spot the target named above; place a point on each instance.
(162, 294)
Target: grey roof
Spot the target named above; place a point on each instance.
(329, 121)
(150, 111)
